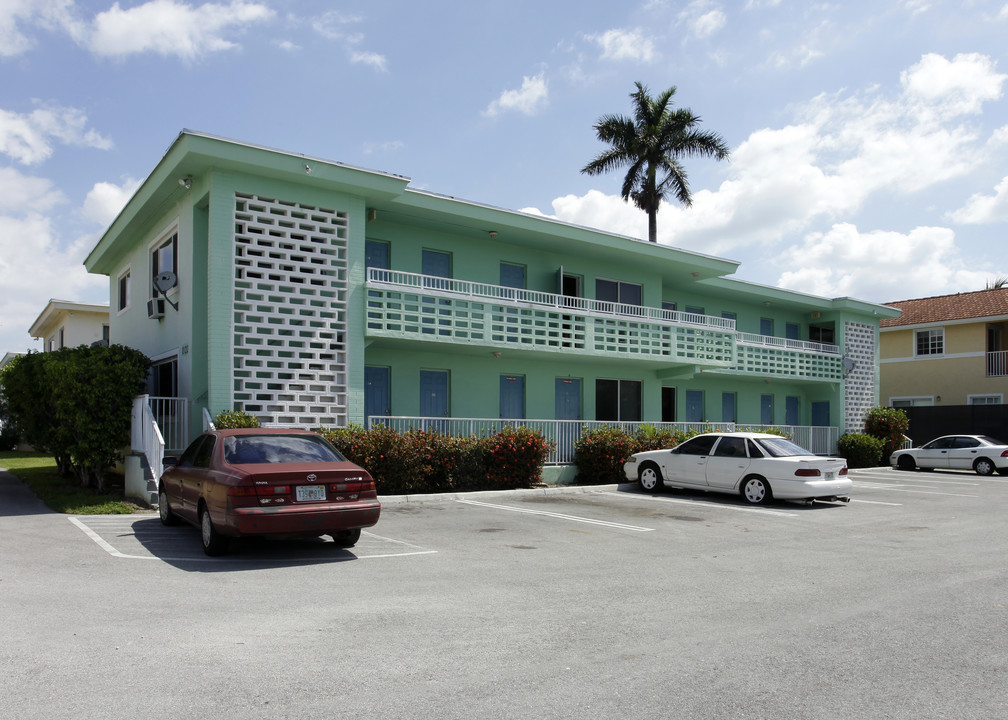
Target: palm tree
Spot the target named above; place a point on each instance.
(652, 143)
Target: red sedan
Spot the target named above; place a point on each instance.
(288, 483)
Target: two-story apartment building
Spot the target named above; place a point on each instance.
(312, 293)
(63, 323)
(947, 350)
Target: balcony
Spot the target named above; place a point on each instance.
(997, 363)
(410, 306)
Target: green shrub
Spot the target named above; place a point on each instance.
(600, 453)
(76, 404)
(230, 419)
(860, 450)
(426, 462)
(890, 425)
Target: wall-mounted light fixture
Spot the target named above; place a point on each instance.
(496, 354)
(186, 181)
(493, 234)
(307, 169)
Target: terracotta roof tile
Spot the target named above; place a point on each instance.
(961, 306)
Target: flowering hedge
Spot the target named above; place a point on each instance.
(600, 454)
(427, 462)
(889, 425)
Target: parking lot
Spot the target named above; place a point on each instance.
(578, 602)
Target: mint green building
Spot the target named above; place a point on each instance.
(311, 293)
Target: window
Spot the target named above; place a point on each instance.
(791, 331)
(930, 342)
(700, 445)
(618, 292)
(668, 307)
(106, 334)
(512, 276)
(766, 327)
(164, 258)
(618, 400)
(897, 402)
(985, 399)
(731, 447)
(124, 291)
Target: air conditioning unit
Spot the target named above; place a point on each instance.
(155, 308)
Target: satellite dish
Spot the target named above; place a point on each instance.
(165, 281)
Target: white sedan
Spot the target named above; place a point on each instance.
(756, 466)
(980, 453)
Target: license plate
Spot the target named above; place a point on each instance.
(830, 475)
(309, 493)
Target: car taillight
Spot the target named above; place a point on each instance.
(1004, 454)
(363, 486)
(843, 470)
(241, 491)
(807, 472)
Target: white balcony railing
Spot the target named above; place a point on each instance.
(997, 363)
(431, 285)
(819, 440)
(405, 303)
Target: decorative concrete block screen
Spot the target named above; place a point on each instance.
(290, 292)
(859, 390)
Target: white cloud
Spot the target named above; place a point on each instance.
(17, 15)
(21, 193)
(950, 88)
(527, 100)
(625, 45)
(334, 25)
(980, 209)
(169, 28)
(29, 138)
(703, 17)
(878, 266)
(34, 269)
(105, 200)
(819, 171)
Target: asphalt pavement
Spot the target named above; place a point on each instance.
(560, 603)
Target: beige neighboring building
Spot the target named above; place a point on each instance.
(947, 350)
(69, 324)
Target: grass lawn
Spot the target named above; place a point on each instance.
(38, 471)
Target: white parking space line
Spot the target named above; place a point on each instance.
(699, 501)
(874, 502)
(559, 516)
(121, 526)
(908, 489)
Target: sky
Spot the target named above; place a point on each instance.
(869, 140)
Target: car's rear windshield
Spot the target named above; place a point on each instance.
(989, 440)
(255, 449)
(781, 447)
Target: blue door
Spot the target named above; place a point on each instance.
(434, 393)
(820, 413)
(376, 392)
(728, 407)
(694, 406)
(766, 409)
(791, 416)
(568, 407)
(436, 264)
(512, 397)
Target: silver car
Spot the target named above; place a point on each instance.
(756, 466)
(979, 453)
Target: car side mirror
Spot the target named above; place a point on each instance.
(169, 461)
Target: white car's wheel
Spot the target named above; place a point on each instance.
(983, 466)
(756, 490)
(649, 477)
